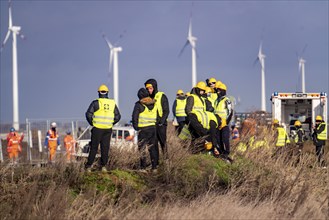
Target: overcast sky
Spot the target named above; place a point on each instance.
(64, 57)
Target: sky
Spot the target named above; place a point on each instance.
(64, 58)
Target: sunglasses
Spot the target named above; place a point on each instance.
(212, 83)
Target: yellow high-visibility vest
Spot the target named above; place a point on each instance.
(220, 108)
(147, 117)
(296, 137)
(185, 133)
(180, 107)
(158, 105)
(199, 103)
(212, 98)
(104, 116)
(323, 134)
(205, 117)
(282, 137)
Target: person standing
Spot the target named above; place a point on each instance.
(52, 142)
(319, 138)
(69, 144)
(300, 136)
(144, 119)
(102, 114)
(14, 147)
(162, 105)
(178, 109)
(223, 108)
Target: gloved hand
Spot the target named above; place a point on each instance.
(59, 147)
(45, 147)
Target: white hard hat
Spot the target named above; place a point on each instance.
(53, 124)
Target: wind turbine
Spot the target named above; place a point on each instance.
(114, 61)
(301, 67)
(15, 30)
(261, 59)
(192, 41)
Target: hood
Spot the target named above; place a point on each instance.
(142, 93)
(103, 95)
(154, 84)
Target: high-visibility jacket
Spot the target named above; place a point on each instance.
(303, 134)
(204, 117)
(212, 98)
(180, 107)
(282, 137)
(158, 105)
(14, 144)
(147, 117)
(52, 139)
(104, 116)
(185, 133)
(323, 134)
(221, 109)
(69, 142)
(199, 103)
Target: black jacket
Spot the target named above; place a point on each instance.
(164, 101)
(138, 108)
(94, 106)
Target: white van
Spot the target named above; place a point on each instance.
(121, 136)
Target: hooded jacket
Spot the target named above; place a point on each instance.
(94, 106)
(164, 101)
(144, 100)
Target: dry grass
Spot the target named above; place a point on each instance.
(256, 186)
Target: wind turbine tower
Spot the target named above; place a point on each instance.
(15, 30)
(114, 59)
(261, 59)
(192, 41)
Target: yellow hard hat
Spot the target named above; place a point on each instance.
(297, 123)
(179, 92)
(318, 118)
(188, 94)
(218, 84)
(103, 88)
(275, 121)
(208, 145)
(201, 85)
(221, 86)
(208, 89)
(212, 80)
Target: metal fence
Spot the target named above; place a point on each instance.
(36, 130)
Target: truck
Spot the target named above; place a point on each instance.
(289, 107)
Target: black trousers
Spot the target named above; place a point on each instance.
(147, 141)
(223, 139)
(100, 137)
(319, 153)
(161, 132)
(179, 127)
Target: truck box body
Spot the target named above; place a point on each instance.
(289, 107)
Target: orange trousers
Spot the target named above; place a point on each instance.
(52, 152)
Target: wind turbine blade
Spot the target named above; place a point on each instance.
(255, 62)
(10, 19)
(107, 41)
(190, 29)
(182, 50)
(120, 37)
(299, 64)
(4, 42)
(303, 50)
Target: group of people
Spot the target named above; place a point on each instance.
(256, 138)
(149, 119)
(52, 143)
(204, 115)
